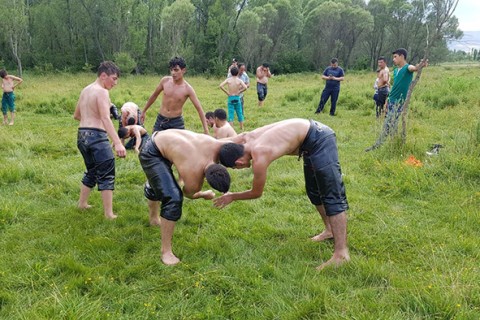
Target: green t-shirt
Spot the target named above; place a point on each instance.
(401, 81)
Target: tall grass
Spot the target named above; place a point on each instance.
(413, 231)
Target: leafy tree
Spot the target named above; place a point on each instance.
(176, 18)
(14, 25)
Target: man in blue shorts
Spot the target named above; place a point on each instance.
(316, 143)
(9, 83)
(93, 112)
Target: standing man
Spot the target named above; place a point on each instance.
(383, 86)
(195, 157)
(93, 112)
(402, 77)
(9, 83)
(242, 74)
(262, 75)
(316, 143)
(175, 92)
(333, 76)
(235, 87)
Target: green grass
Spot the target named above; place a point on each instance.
(413, 232)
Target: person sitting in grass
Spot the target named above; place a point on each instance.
(195, 157)
(137, 134)
(224, 129)
(316, 143)
(210, 117)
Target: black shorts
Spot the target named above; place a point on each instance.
(162, 185)
(98, 157)
(262, 91)
(164, 123)
(323, 175)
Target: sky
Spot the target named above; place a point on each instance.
(468, 14)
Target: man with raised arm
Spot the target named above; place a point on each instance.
(175, 92)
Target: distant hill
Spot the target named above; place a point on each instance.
(470, 40)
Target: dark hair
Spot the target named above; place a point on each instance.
(234, 71)
(334, 60)
(177, 61)
(234, 60)
(229, 153)
(109, 68)
(401, 51)
(220, 114)
(130, 121)
(209, 115)
(3, 73)
(265, 65)
(122, 132)
(241, 64)
(218, 177)
(382, 58)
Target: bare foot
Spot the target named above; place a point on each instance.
(155, 222)
(84, 206)
(325, 235)
(170, 259)
(335, 261)
(11, 123)
(110, 216)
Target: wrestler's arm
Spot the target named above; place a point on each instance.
(138, 138)
(191, 191)
(258, 184)
(77, 114)
(103, 105)
(222, 86)
(152, 98)
(19, 80)
(196, 103)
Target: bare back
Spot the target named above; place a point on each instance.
(92, 98)
(225, 131)
(275, 140)
(179, 146)
(235, 86)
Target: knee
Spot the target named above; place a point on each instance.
(172, 208)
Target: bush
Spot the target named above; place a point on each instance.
(292, 62)
(450, 101)
(125, 62)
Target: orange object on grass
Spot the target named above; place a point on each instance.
(412, 161)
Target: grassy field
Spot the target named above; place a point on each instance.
(413, 231)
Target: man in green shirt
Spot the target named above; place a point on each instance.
(402, 77)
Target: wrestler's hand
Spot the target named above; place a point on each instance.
(223, 201)
(142, 116)
(120, 150)
(137, 151)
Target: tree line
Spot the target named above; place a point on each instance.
(142, 35)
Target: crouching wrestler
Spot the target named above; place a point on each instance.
(195, 157)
